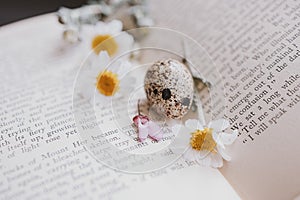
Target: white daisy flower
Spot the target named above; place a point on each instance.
(103, 82)
(207, 143)
(109, 35)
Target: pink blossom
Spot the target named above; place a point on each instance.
(146, 128)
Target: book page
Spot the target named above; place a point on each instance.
(41, 153)
(255, 45)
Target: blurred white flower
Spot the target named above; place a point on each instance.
(106, 37)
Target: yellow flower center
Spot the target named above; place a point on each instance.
(203, 140)
(107, 42)
(107, 83)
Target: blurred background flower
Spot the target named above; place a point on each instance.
(11, 11)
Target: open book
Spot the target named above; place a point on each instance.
(254, 46)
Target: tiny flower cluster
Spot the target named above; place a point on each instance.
(147, 128)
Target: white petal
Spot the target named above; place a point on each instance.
(100, 27)
(122, 67)
(143, 130)
(104, 57)
(203, 153)
(85, 47)
(125, 44)
(193, 124)
(216, 137)
(97, 63)
(114, 27)
(190, 154)
(228, 138)
(216, 160)
(155, 131)
(223, 153)
(102, 60)
(87, 31)
(204, 161)
(219, 125)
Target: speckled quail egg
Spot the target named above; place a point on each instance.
(169, 85)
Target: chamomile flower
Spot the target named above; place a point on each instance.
(104, 82)
(106, 37)
(207, 143)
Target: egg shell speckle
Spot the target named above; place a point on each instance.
(169, 85)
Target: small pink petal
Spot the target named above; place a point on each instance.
(147, 127)
(143, 119)
(143, 131)
(142, 124)
(155, 132)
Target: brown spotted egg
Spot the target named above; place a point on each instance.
(169, 85)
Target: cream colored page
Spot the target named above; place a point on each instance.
(255, 45)
(41, 153)
(190, 183)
